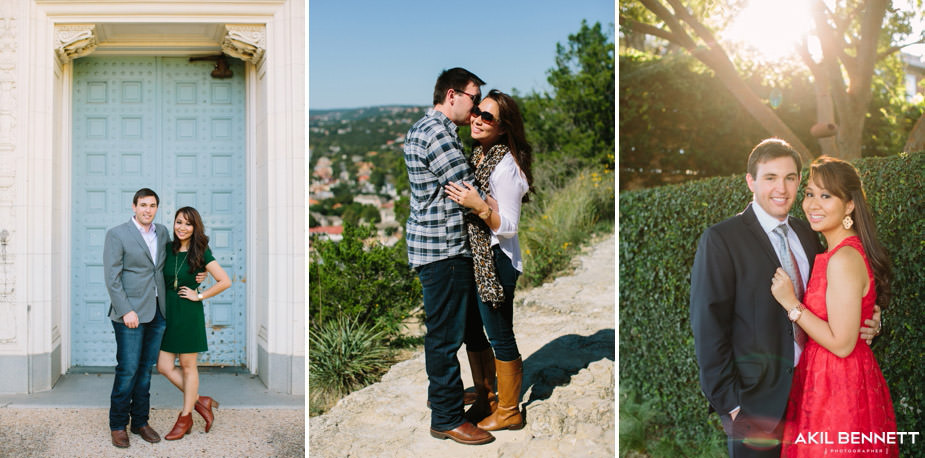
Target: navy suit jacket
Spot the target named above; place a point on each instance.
(743, 338)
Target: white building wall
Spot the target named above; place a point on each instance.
(35, 170)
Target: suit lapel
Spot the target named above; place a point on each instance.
(136, 235)
(162, 240)
(761, 237)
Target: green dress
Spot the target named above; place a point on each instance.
(186, 324)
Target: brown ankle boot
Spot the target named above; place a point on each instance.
(507, 415)
(204, 406)
(181, 428)
(482, 364)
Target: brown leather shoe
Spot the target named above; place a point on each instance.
(466, 433)
(120, 438)
(147, 433)
(181, 428)
(204, 406)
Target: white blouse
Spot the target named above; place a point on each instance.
(508, 186)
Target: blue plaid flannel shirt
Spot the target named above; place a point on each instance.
(435, 229)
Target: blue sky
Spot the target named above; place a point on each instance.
(367, 53)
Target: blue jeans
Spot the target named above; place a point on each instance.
(136, 351)
(448, 286)
(499, 323)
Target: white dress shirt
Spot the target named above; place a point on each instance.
(508, 186)
(769, 223)
(150, 237)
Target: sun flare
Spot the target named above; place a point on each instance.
(771, 27)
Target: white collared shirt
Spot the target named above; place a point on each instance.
(508, 186)
(769, 223)
(150, 237)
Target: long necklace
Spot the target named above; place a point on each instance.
(176, 269)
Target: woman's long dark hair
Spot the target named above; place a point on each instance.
(514, 137)
(199, 241)
(842, 179)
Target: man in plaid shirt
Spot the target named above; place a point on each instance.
(438, 247)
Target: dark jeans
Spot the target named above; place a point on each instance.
(448, 286)
(499, 323)
(136, 351)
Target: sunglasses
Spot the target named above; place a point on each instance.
(486, 116)
(475, 98)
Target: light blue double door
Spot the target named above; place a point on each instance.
(162, 123)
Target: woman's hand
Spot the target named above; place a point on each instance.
(782, 289)
(466, 196)
(188, 294)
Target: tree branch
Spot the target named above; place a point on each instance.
(701, 30)
(863, 72)
(648, 29)
(677, 29)
(893, 49)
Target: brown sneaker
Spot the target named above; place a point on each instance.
(466, 433)
(147, 433)
(120, 438)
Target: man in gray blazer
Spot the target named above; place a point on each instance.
(133, 264)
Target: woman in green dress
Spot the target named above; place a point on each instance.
(187, 255)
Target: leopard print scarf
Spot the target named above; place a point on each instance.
(486, 277)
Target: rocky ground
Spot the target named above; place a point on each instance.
(565, 332)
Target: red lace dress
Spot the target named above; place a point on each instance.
(838, 406)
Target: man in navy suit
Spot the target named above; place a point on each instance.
(745, 343)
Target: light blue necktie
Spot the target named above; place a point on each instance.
(789, 263)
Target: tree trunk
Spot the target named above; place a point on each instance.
(825, 114)
(916, 141)
(850, 131)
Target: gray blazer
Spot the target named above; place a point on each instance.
(131, 274)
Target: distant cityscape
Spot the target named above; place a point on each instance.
(357, 169)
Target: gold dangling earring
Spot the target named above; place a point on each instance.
(847, 222)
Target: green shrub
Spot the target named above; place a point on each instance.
(363, 280)
(659, 231)
(343, 355)
(553, 226)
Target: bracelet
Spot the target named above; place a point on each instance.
(483, 216)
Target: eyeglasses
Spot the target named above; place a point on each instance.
(486, 116)
(475, 98)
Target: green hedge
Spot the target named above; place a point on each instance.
(659, 231)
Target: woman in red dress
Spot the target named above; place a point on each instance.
(839, 401)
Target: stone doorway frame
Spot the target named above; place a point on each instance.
(269, 36)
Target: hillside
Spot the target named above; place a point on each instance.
(565, 332)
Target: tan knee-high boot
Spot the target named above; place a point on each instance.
(482, 364)
(507, 415)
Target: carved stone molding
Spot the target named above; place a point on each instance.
(245, 41)
(75, 40)
(8, 110)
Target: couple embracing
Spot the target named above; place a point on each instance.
(462, 242)
(780, 324)
(157, 314)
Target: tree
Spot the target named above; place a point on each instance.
(575, 124)
(369, 282)
(854, 36)
(678, 123)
